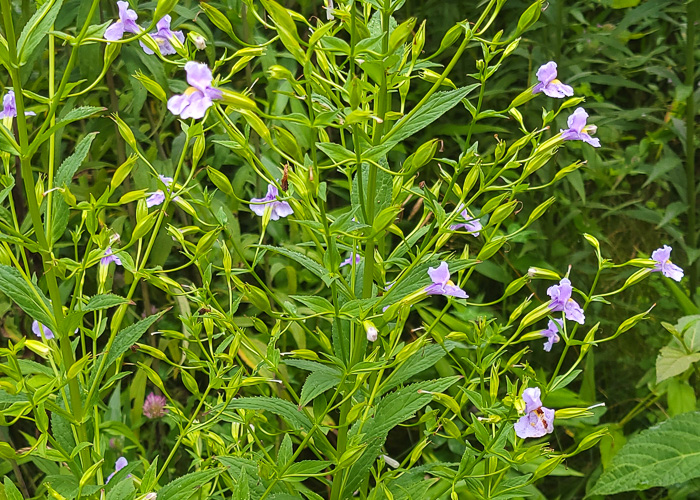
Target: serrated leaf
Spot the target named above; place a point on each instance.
(393, 409)
(30, 298)
(128, 337)
(294, 417)
(11, 492)
(420, 361)
(36, 29)
(382, 193)
(299, 471)
(317, 383)
(666, 454)
(184, 487)
(73, 115)
(673, 361)
(104, 301)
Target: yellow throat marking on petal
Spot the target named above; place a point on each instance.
(189, 91)
(450, 282)
(556, 81)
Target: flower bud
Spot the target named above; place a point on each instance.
(546, 274)
(197, 40)
(372, 332)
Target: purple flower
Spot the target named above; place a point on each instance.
(121, 461)
(158, 197)
(547, 75)
(552, 333)
(37, 329)
(154, 406)
(163, 38)
(442, 284)
(126, 23)
(538, 420)
(472, 225)
(662, 256)
(562, 301)
(348, 261)
(9, 106)
(578, 130)
(198, 97)
(110, 257)
(277, 209)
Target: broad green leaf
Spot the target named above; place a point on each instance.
(36, 29)
(673, 361)
(299, 471)
(302, 259)
(383, 192)
(73, 115)
(184, 487)
(128, 337)
(10, 490)
(423, 360)
(317, 304)
(317, 383)
(286, 29)
(336, 152)
(666, 454)
(30, 298)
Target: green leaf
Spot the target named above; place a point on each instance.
(390, 412)
(11, 492)
(666, 454)
(299, 471)
(36, 29)
(104, 301)
(317, 304)
(317, 383)
(302, 259)
(383, 191)
(286, 29)
(437, 105)
(335, 152)
(64, 177)
(73, 115)
(423, 360)
(128, 337)
(673, 361)
(186, 486)
(30, 298)
(294, 417)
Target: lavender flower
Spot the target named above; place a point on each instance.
(552, 333)
(163, 37)
(125, 23)
(37, 329)
(154, 406)
(472, 225)
(277, 209)
(662, 256)
(547, 75)
(9, 106)
(562, 301)
(158, 197)
(110, 257)
(121, 461)
(538, 420)
(198, 97)
(348, 261)
(442, 285)
(578, 130)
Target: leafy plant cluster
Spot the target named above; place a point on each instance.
(257, 250)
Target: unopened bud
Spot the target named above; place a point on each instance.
(198, 41)
(372, 332)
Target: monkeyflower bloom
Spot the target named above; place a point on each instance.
(121, 461)
(163, 37)
(442, 285)
(154, 406)
(158, 197)
(537, 420)
(662, 256)
(562, 301)
(125, 23)
(549, 85)
(278, 209)
(199, 95)
(9, 106)
(578, 130)
(348, 261)
(110, 257)
(472, 225)
(552, 333)
(37, 328)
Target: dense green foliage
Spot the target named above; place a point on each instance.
(302, 346)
